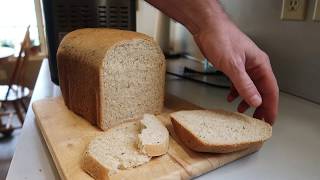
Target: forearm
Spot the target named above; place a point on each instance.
(196, 15)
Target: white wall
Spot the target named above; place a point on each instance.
(146, 15)
(180, 39)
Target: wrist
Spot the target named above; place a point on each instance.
(210, 16)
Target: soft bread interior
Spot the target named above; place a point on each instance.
(132, 85)
(117, 148)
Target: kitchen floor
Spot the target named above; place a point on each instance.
(7, 147)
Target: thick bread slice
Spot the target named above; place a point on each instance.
(115, 149)
(219, 131)
(154, 137)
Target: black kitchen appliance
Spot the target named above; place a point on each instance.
(63, 16)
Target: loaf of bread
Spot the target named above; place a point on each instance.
(118, 147)
(111, 76)
(219, 131)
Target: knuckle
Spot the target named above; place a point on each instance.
(264, 56)
(265, 59)
(234, 66)
(237, 62)
(277, 90)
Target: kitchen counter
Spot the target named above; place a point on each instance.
(292, 152)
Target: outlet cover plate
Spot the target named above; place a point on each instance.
(293, 10)
(316, 13)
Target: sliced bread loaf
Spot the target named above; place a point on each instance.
(154, 137)
(113, 150)
(110, 76)
(219, 131)
(118, 148)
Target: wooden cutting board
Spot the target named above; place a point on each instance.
(67, 136)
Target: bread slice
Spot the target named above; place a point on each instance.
(154, 137)
(219, 131)
(104, 72)
(113, 150)
(123, 147)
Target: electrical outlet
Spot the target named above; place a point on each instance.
(293, 9)
(316, 13)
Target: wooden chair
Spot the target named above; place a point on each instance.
(15, 91)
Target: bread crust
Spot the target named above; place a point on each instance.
(192, 141)
(94, 168)
(154, 149)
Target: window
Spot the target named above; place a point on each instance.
(15, 16)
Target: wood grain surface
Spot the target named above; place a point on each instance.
(67, 136)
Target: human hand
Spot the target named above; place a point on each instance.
(230, 51)
(248, 67)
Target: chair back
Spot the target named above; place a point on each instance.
(18, 74)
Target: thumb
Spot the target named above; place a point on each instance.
(245, 87)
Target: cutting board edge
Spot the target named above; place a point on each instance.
(46, 140)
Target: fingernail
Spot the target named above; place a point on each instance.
(255, 100)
